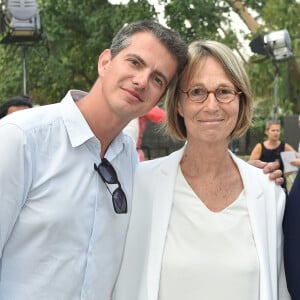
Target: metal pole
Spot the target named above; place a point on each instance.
(23, 48)
(275, 108)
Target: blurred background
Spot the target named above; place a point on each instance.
(48, 47)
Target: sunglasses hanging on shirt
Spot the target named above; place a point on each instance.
(109, 176)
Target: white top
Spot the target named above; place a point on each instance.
(208, 255)
(60, 238)
(154, 183)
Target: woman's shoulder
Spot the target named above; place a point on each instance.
(158, 167)
(153, 163)
(251, 171)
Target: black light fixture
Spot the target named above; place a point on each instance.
(276, 45)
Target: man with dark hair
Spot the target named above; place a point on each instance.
(66, 172)
(14, 104)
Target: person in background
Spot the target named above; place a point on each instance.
(66, 172)
(291, 229)
(204, 223)
(14, 104)
(136, 127)
(270, 149)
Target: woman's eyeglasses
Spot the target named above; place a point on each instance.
(200, 94)
(109, 176)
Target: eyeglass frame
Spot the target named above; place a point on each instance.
(113, 174)
(234, 93)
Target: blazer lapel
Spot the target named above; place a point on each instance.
(260, 224)
(264, 229)
(162, 205)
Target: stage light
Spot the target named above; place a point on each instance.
(21, 21)
(276, 45)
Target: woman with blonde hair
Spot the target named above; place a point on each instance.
(204, 223)
(270, 149)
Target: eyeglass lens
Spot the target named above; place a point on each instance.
(223, 94)
(119, 201)
(109, 175)
(107, 172)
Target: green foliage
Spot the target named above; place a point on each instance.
(195, 19)
(262, 73)
(74, 34)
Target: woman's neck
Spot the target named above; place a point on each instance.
(272, 143)
(205, 160)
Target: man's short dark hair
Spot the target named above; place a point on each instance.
(170, 39)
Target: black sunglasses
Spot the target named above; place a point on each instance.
(109, 175)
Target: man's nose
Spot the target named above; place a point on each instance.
(141, 79)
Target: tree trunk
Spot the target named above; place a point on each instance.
(244, 14)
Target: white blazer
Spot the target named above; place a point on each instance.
(154, 182)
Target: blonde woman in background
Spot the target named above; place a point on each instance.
(270, 149)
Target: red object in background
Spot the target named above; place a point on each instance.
(155, 115)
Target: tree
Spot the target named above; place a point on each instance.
(74, 34)
(196, 19)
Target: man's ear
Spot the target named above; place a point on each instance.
(103, 61)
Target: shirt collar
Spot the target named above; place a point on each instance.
(77, 127)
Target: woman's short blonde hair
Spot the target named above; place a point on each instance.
(234, 68)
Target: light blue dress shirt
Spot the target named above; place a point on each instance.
(60, 238)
